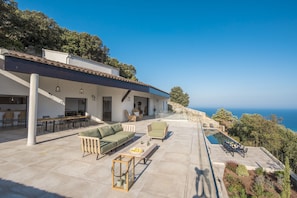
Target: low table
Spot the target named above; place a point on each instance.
(147, 150)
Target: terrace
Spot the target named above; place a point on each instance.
(180, 167)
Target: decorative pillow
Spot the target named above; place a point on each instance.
(91, 133)
(136, 113)
(105, 131)
(117, 127)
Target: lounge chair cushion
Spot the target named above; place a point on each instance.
(156, 133)
(105, 131)
(117, 138)
(91, 133)
(107, 146)
(117, 127)
(126, 133)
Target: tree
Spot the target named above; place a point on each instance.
(30, 31)
(286, 184)
(84, 45)
(126, 71)
(9, 25)
(39, 31)
(225, 118)
(177, 95)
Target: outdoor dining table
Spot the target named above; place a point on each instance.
(72, 119)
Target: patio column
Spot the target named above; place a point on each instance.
(32, 114)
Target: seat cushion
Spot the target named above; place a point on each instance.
(105, 131)
(91, 133)
(158, 125)
(156, 133)
(127, 134)
(118, 139)
(107, 146)
(117, 127)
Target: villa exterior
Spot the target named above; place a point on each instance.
(71, 85)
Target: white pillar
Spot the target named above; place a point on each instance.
(33, 104)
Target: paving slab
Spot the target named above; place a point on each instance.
(54, 167)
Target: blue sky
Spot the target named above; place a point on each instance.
(240, 53)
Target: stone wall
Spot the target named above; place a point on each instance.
(193, 115)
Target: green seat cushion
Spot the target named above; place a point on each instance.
(127, 134)
(119, 139)
(158, 125)
(91, 133)
(156, 133)
(105, 131)
(117, 127)
(107, 146)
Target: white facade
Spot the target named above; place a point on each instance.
(97, 100)
(78, 61)
(69, 89)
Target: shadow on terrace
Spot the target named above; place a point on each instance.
(8, 188)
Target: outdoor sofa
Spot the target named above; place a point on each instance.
(157, 130)
(105, 138)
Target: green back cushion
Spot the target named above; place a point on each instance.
(91, 133)
(105, 131)
(158, 125)
(117, 127)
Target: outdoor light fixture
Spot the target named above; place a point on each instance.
(58, 89)
(81, 91)
(93, 97)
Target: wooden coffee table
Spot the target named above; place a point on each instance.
(147, 150)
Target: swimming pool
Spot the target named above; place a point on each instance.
(216, 137)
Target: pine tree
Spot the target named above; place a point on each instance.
(287, 183)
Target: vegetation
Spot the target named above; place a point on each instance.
(259, 171)
(30, 31)
(177, 95)
(286, 184)
(225, 118)
(254, 185)
(241, 170)
(255, 130)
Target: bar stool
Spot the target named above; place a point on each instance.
(7, 118)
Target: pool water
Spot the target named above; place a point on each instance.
(216, 137)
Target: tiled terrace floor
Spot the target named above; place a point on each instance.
(54, 167)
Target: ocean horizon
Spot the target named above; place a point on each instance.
(288, 115)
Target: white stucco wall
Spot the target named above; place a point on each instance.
(10, 87)
(55, 55)
(71, 89)
(74, 60)
(66, 58)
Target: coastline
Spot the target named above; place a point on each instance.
(288, 115)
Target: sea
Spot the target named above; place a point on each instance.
(289, 116)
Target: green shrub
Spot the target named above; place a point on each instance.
(229, 179)
(259, 171)
(279, 176)
(241, 170)
(231, 166)
(242, 193)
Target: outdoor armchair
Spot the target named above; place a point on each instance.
(138, 114)
(130, 117)
(158, 130)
